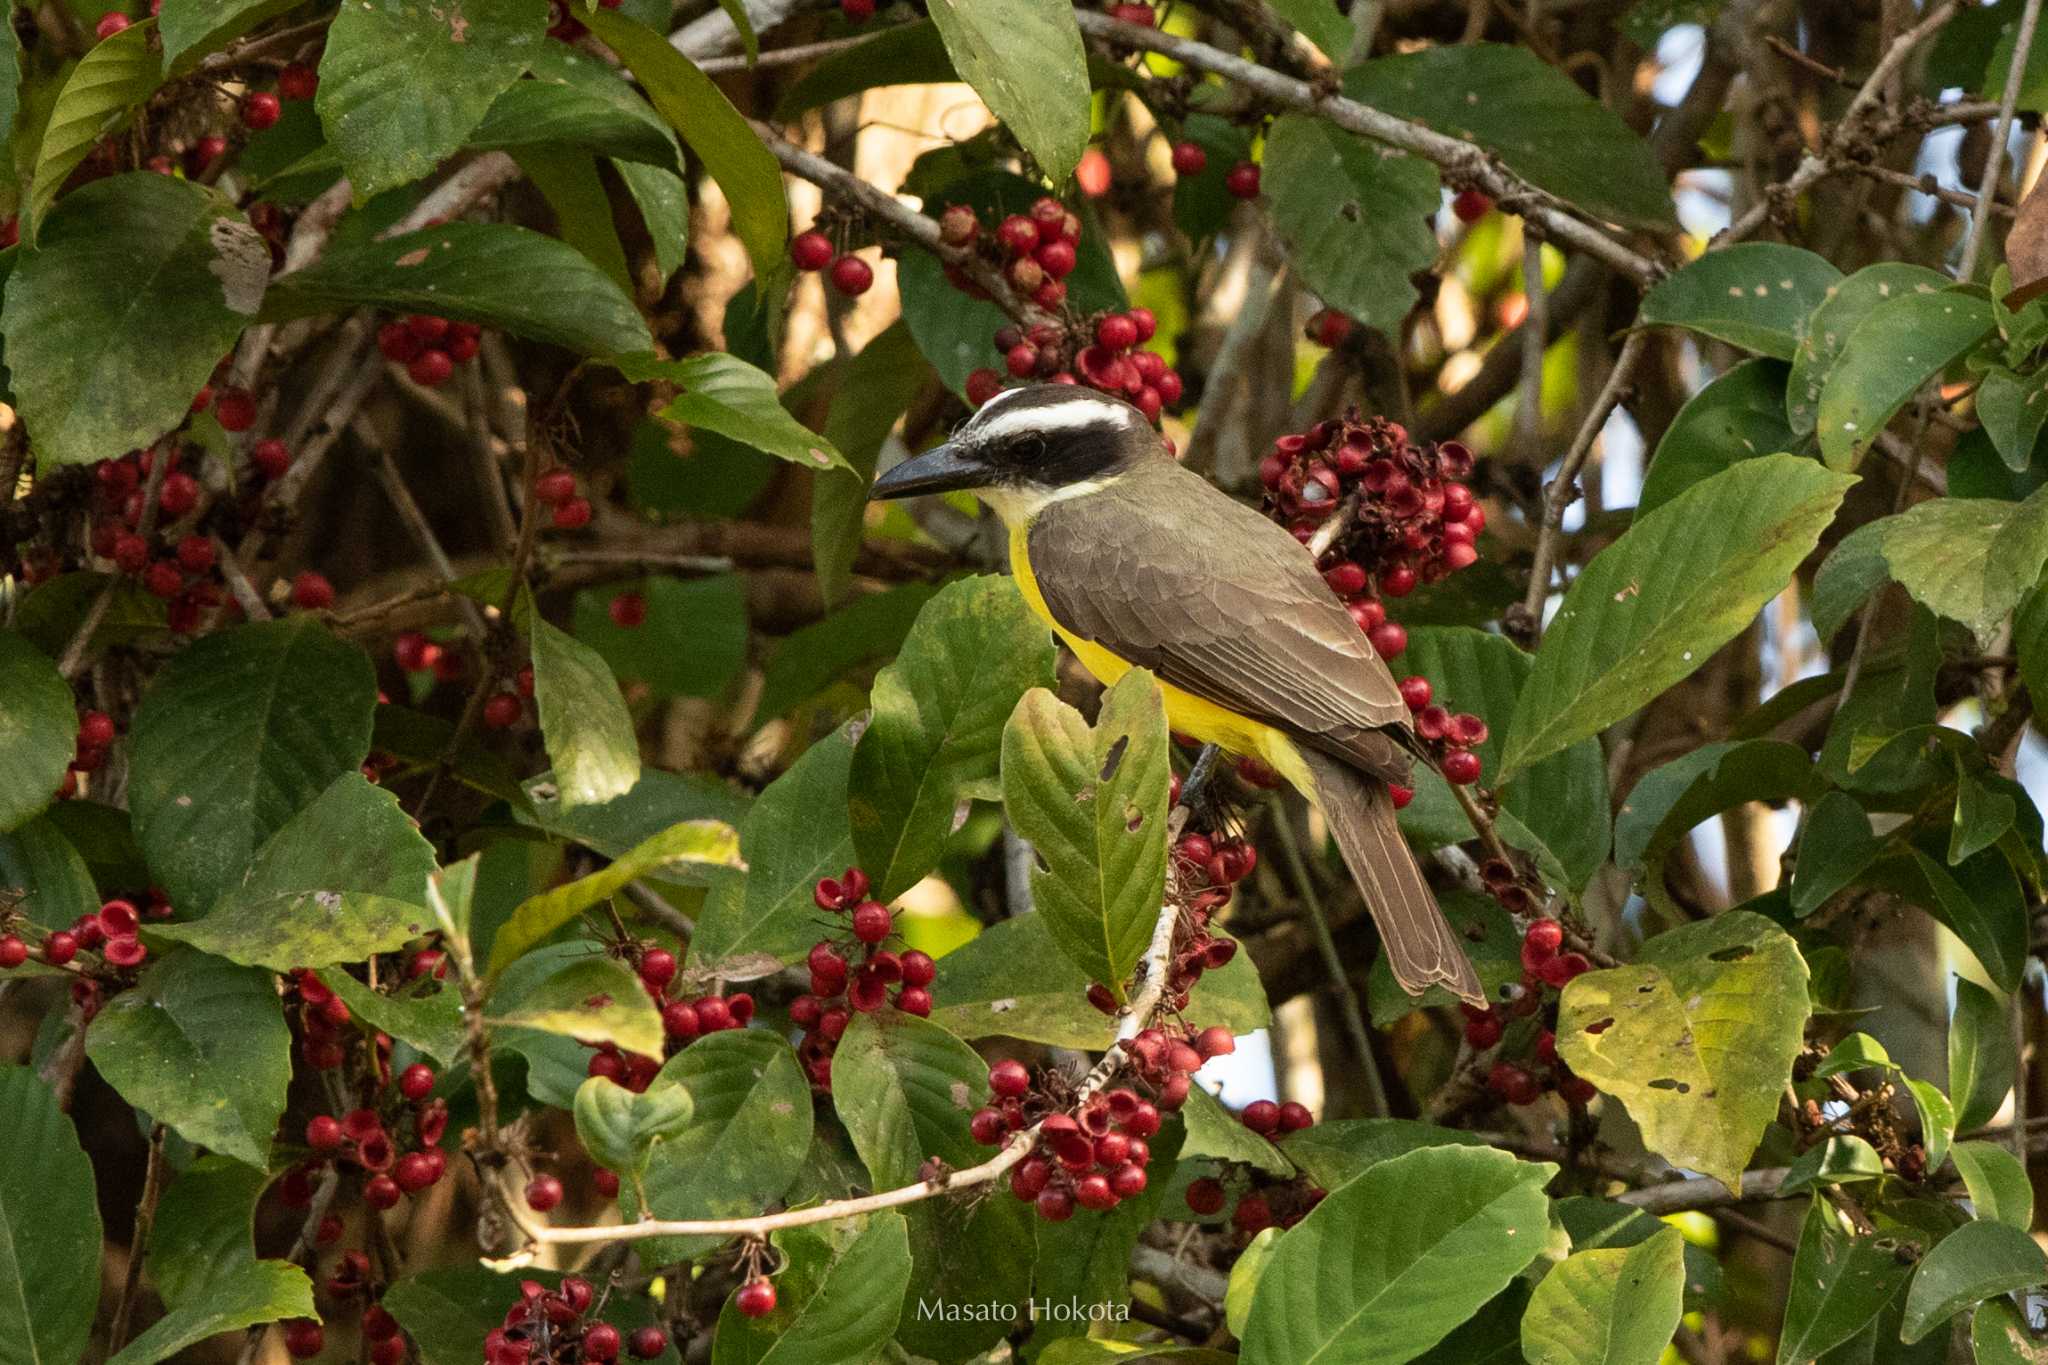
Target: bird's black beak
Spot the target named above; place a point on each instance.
(942, 469)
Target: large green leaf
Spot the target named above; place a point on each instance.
(1975, 1262)
(204, 1227)
(795, 834)
(725, 394)
(1898, 346)
(560, 108)
(241, 731)
(1355, 218)
(193, 28)
(49, 1228)
(903, 54)
(1969, 559)
(939, 712)
(1853, 570)
(201, 1044)
(583, 719)
(1696, 1038)
(2001, 1335)
(261, 1291)
(1093, 805)
(1981, 1058)
(749, 1129)
(1826, 330)
(103, 92)
(1668, 801)
(744, 169)
(1980, 900)
(1834, 849)
(130, 255)
(867, 630)
(429, 1019)
(980, 993)
(474, 272)
(1386, 1266)
(45, 869)
(1755, 295)
(1338, 1151)
(1025, 59)
(693, 642)
(2012, 408)
(833, 1303)
(402, 84)
(1653, 606)
(38, 730)
(1531, 115)
(346, 878)
(658, 800)
(1608, 1307)
(567, 178)
(2000, 1187)
(1839, 1283)
(1738, 416)
(594, 1000)
(904, 1088)
(879, 386)
(685, 848)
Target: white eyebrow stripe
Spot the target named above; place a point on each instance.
(1082, 410)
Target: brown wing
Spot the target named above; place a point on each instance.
(1169, 573)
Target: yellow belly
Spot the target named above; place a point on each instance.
(1186, 713)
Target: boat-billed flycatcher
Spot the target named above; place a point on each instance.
(1133, 560)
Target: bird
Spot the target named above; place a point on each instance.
(1136, 561)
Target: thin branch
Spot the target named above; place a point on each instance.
(1535, 336)
(409, 512)
(145, 1219)
(1704, 1192)
(2001, 132)
(1333, 961)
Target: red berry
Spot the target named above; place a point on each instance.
(1018, 234)
(195, 554)
(958, 225)
(628, 610)
(179, 495)
(987, 1127)
(382, 1192)
(1261, 1116)
(271, 458)
(1397, 581)
(657, 967)
(852, 276)
(1008, 1079)
(1215, 1041)
(416, 1082)
(1116, 333)
(1057, 259)
(1206, 1196)
(1328, 327)
(261, 110)
(1482, 1031)
(1243, 180)
(1127, 1180)
(324, 1133)
(112, 22)
(811, 250)
(430, 369)
(915, 1000)
(427, 327)
(298, 81)
(95, 730)
(1541, 942)
(857, 11)
(1461, 766)
(543, 1192)
(1189, 158)
(756, 1298)
(1559, 971)
(983, 385)
(571, 515)
(303, 1337)
(918, 968)
(1094, 1192)
(312, 592)
(1416, 692)
(1471, 205)
(1294, 1117)
(1577, 1090)
(60, 947)
(1054, 1205)
(503, 710)
(1388, 639)
(647, 1343)
(397, 343)
(414, 1172)
(872, 921)
(1252, 1214)
(600, 1342)
(1144, 320)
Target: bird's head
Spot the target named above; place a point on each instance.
(1027, 447)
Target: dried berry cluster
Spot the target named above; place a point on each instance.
(429, 347)
(854, 972)
(1545, 963)
(564, 1324)
(1092, 1155)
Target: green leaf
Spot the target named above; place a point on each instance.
(1667, 802)
(2030, 641)
(747, 1137)
(879, 386)
(125, 255)
(683, 848)
(43, 866)
(1983, 813)
(1595, 1223)
(980, 993)
(593, 1000)
(203, 1231)
(1532, 116)
(345, 879)
(1975, 1262)
(1093, 805)
(1737, 417)
(193, 28)
(49, 1226)
(657, 801)
(472, 272)
(1969, 559)
(833, 1304)
(567, 178)
(1386, 1266)
(1839, 1283)
(1652, 607)
(1338, 1151)
(1898, 346)
(1979, 900)
(1755, 295)
(939, 712)
(725, 394)
(795, 834)
(583, 719)
(1937, 1120)
(904, 54)
(1215, 1132)
(1243, 1288)
(2000, 1188)
(1696, 1039)
(664, 203)
(620, 1129)
(113, 80)
(242, 730)
(51, 614)
(1825, 333)
(744, 169)
(446, 1312)
(38, 730)
(574, 101)
(1999, 1335)
(1321, 22)
(1981, 1058)
(905, 1088)
(1025, 59)
(1612, 1307)
(1843, 1160)
(200, 1044)
(1853, 570)
(261, 1291)
(10, 106)
(429, 1019)
(1834, 849)
(1354, 217)
(868, 630)
(402, 85)
(2012, 408)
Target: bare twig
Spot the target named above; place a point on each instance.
(145, 1219)
(1704, 1192)
(2001, 132)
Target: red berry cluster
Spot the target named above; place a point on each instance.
(684, 1020)
(323, 1018)
(814, 250)
(1093, 1155)
(1449, 736)
(429, 347)
(1241, 180)
(564, 1324)
(362, 1137)
(110, 933)
(569, 509)
(305, 1338)
(1544, 963)
(853, 973)
(1266, 1201)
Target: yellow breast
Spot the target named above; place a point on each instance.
(1186, 713)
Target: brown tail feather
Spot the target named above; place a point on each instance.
(1420, 946)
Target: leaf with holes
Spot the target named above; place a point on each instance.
(1898, 346)
(1653, 606)
(1093, 805)
(1615, 1306)
(725, 394)
(1755, 295)
(1737, 417)
(38, 730)
(1025, 59)
(1826, 330)
(1696, 1039)
(123, 256)
(1839, 1283)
